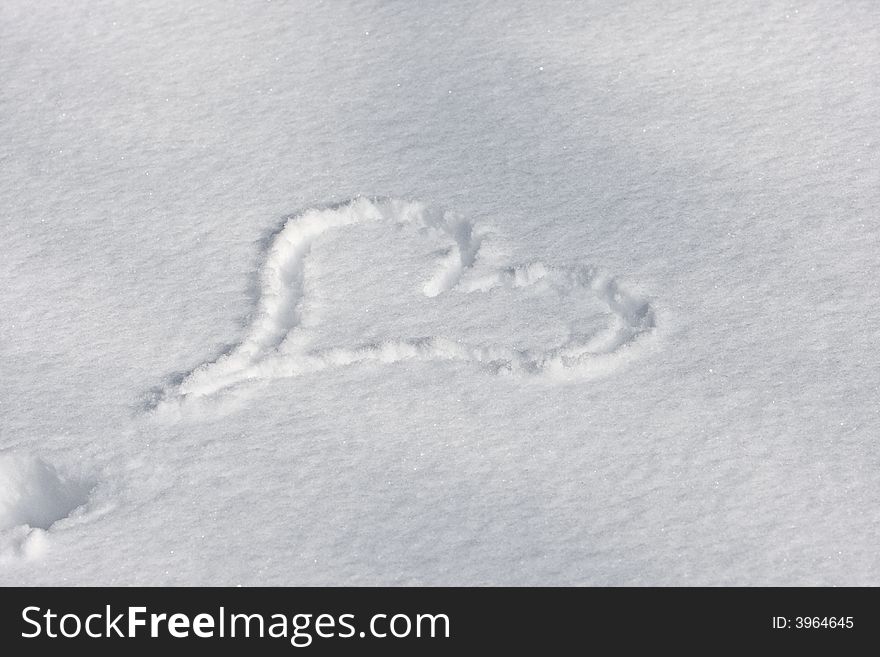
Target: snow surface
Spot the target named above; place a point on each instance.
(439, 293)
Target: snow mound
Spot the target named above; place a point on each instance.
(34, 494)
(275, 343)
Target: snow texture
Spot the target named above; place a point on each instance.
(357, 292)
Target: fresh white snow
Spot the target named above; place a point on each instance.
(439, 293)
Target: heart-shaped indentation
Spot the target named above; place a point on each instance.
(278, 342)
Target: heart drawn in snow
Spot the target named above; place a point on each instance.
(275, 344)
